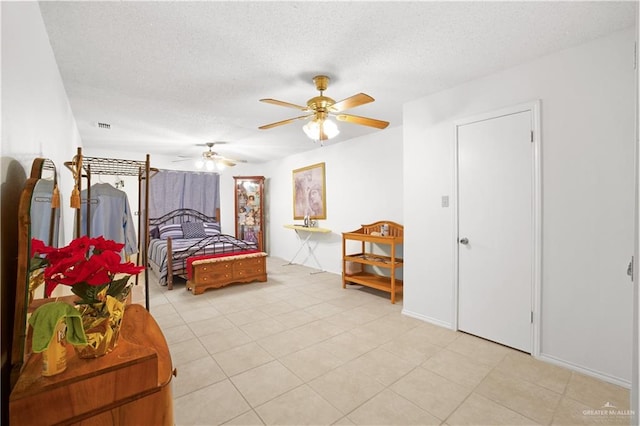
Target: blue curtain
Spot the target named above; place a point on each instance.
(171, 189)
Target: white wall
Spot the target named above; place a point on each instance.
(37, 120)
(587, 98)
(363, 185)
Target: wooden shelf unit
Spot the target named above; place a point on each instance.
(372, 234)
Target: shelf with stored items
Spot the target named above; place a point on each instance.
(357, 268)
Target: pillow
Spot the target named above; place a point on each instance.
(211, 228)
(173, 230)
(154, 232)
(193, 230)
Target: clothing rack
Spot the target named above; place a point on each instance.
(84, 167)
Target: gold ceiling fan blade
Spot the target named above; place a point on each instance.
(284, 104)
(365, 121)
(351, 102)
(227, 162)
(280, 123)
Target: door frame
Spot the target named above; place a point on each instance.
(536, 194)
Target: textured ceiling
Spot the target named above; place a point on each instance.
(170, 75)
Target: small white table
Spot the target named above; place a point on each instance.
(304, 240)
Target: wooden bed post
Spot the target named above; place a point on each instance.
(169, 264)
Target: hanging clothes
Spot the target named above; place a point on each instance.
(111, 216)
(43, 217)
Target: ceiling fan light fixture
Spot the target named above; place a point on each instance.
(331, 128)
(312, 129)
(199, 163)
(210, 165)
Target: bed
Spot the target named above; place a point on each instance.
(186, 233)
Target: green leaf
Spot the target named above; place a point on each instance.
(36, 263)
(116, 289)
(88, 293)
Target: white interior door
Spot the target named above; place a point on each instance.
(495, 229)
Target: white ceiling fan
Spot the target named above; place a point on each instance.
(212, 161)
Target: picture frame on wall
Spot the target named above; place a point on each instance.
(309, 192)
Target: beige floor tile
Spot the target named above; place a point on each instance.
(338, 341)
(352, 298)
(195, 375)
(284, 343)
(242, 358)
(263, 328)
(178, 334)
(229, 305)
(595, 393)
(433, 334)
(277, 308)
(300, 406)
(541, 373)
(208, 326)
(247, 316)
(526, 398)
(347, 346)
(412, 348)
(169, 320)
(327, 294)
(352, 318)
(311, 362)
(389, 408)
(571, 412)
(200, 312)
(376, 311)
(431, 392)
(478, 410)
(323, 310)
(221, 341)
(160, 310)
(379, 332)
(304, 301)
(395, 316)
(481, 350)
(265, 382)
(458, 368)
(212, 405)
(295, 318)
(345, 390)
(187, 351)
(250, 418)
(381, 365)
(344, 422)
(320, 330)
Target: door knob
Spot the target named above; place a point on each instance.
(464, 241)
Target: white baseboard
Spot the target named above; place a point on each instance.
(584, 370)
(425, 318)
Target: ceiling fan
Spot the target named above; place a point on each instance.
(212, 160)
(320, 108)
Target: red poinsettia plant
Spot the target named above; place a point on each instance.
(90, 266)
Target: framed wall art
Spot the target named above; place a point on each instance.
(309, 192)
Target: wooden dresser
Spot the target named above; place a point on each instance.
(129, 386)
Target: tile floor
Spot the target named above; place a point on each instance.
(299, 349)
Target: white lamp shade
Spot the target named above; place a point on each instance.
(312, 129)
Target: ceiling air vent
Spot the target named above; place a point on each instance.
(104, 125)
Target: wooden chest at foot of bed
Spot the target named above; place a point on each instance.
(219, 271)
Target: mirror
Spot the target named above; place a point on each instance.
(38, 217)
